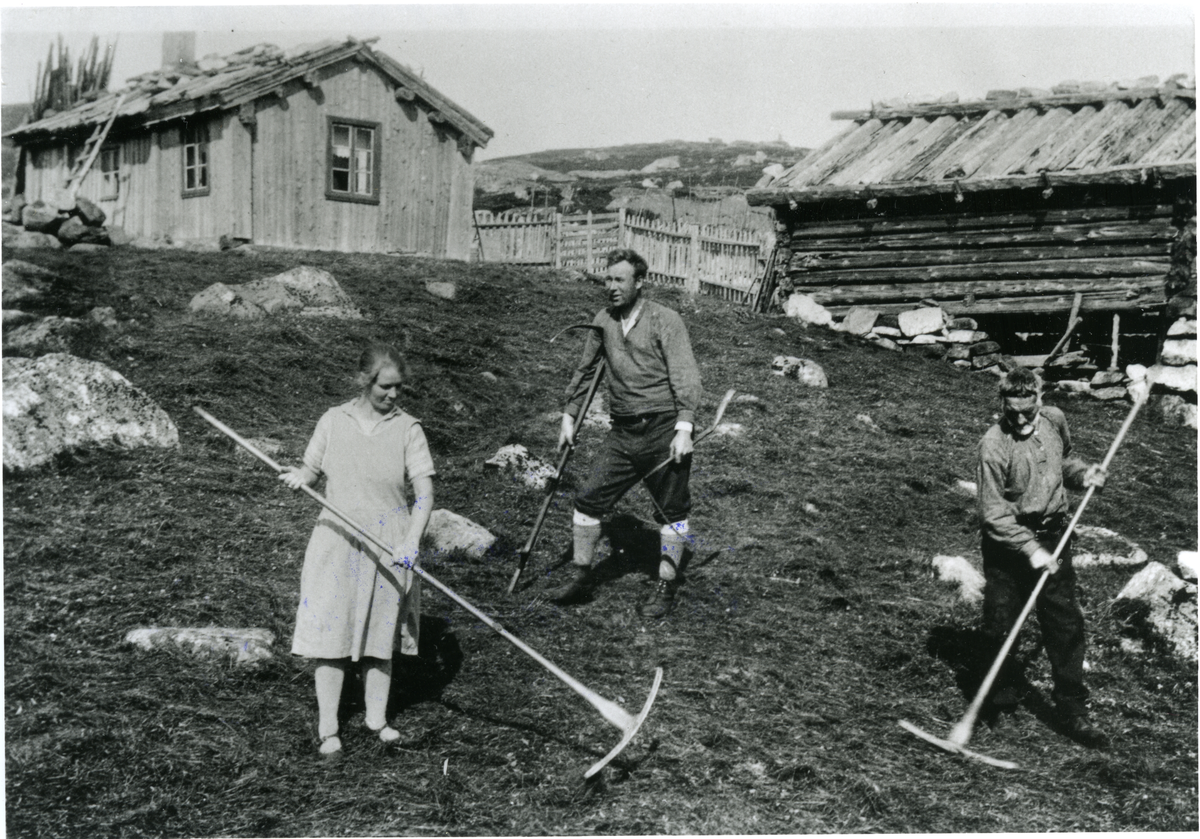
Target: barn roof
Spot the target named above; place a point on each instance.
(217, 83)
(1010, 140)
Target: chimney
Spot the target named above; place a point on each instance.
(178, 48)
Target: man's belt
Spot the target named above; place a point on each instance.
(626, 420)
(1045, 528)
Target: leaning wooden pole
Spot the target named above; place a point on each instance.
(613, 713)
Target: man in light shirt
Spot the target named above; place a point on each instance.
(1024, 462)
(654, 390)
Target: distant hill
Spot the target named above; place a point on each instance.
(598, 178)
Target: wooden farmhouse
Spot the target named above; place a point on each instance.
(332, 146)
(1014, 204)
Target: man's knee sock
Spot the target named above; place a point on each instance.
(586, 537)
(674, 539)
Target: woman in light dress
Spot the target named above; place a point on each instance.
(349, 611)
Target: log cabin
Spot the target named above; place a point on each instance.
(1026, 202)
(332, 146)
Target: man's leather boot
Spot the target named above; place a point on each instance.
(574, 590)
(661, 600)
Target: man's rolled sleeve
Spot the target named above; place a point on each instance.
(997, 516)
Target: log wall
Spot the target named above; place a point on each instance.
(1019, 257)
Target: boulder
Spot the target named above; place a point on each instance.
(60, 199)
(1106, 378)
(597, 415)
(963, 323)
(59, 403)
(106, 316)
(1072, 386)
(119, 237)
(1100, 546)
(446, 291)
(967, 488)
(314, 286)
(87, 247)
(75, 232)
(211, 643)
(729, 429)
(981, 362)
(49, 335)
(516, 460)
(13, 207)
(338, 312)
(959, 571)
(1176, 411)
(921, 321)
(1182, 328)
(272, 297)
(449, 531)
(1158, 604)
(802, 369)
(1178, 379)
(27, 239)
(10, 232)
(925, 338)
(89, 213)
(806, 310)
(1188, 564)
(1109, 394)
(984, 348)
(859, 320)
(885, 343)
(221, 300)
(1179, 351)
(958, 352)
(964, 336)
(15, 317)
(887, 332)
(39, 218)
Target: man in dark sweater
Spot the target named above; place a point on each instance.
(654, 390)
(1024, 462)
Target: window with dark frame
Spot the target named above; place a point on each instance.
(195, 160)
(110, 172)
(353, 161)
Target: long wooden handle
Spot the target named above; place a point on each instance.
(613, 713)
(962, 731)
(552, 484)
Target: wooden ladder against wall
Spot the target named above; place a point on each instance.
(91, 148)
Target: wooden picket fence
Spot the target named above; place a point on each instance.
(718, 261)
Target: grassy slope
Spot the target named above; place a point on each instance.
(804, 632)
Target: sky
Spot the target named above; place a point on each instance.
(577, 75)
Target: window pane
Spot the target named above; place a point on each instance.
(341, 157)
(189, 155)
(341, 135)
(203, 177)
(341, 180)
(363, 139)
(189, 179)
(203, 155)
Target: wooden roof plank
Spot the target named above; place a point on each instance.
(1006, 133)
(1158, 122)
(878, 153)
(1112, 137)
(1098, 98)
(1086, 130)
(938, 165)
(819, 169)
(959, 163)
(844, 153)
(1046, 147)
(1011, 158)
(1172, 146)
(911, 147)
(822, 153)
(958, 126)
